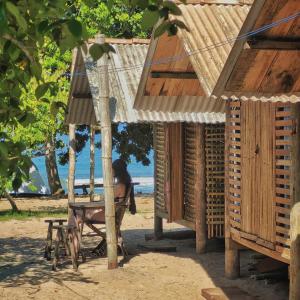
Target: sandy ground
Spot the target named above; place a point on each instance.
(24, 274)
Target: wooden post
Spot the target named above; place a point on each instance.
(158, 222)
(71, 178)
(106, 140)
(92, 163)
(295, 211)
(200, 191)
(232, 255)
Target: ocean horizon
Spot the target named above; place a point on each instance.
(139, 173)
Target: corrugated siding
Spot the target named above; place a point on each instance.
(212, 29)
(85, 107)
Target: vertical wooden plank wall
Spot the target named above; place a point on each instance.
(176, 180)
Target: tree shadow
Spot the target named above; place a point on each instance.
(22, 262)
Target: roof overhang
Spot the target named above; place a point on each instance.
(181, 71)
(265, 65)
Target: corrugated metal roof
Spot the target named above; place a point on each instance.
(125, 68)
(212, 29)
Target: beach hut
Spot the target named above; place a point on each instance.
(179, 76)
(261, 80)
(83, 104)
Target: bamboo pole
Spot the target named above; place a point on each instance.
(295, 210)
(71, 177)
(92, 163)
(200, 192)
(106, 139)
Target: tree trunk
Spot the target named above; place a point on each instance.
(92, 163)
(11, 202)
(106, 139)
(51, 167)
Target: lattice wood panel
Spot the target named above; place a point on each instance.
(234, 164)
(214, 152)
(283, 134)
(160, 167)
(189, 171)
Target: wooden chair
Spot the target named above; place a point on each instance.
(52, 225)
(93, 224)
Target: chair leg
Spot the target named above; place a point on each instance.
(65, 242)
(48, 246)
(121, 245)
(56, 249)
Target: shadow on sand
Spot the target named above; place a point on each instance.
(22, 262)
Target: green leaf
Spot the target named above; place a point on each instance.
(13, 9)
(3, 21)
(173, 8)
(41, 90)
(43, 27)
(180, 24)
(162, 28)
(36, 70)
(96, 51)
(3, 149)
(110, 4)
(150, 18)
(75, 27)
(108, 48)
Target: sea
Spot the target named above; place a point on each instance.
(142, 175)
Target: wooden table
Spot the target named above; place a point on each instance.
(82, 207)
(97, 205)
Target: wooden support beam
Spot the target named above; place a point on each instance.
(92, 163)
(174, 75)
(71, 176)
(279, 44)
(200, 192)
(295, 211)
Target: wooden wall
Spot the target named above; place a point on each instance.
(259, 175)
(177, 182)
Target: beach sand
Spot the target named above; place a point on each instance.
(24, 274)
